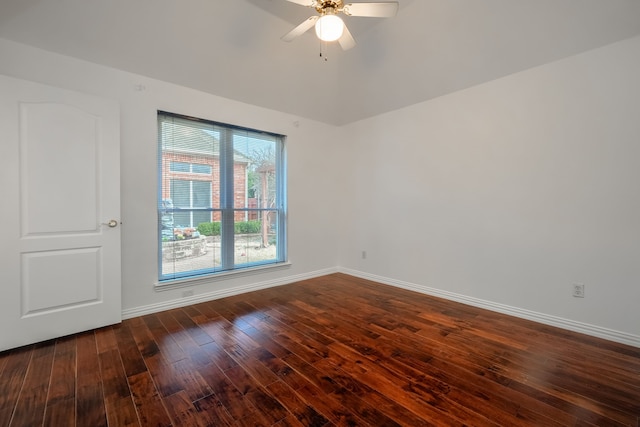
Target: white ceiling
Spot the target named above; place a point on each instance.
(232, 48)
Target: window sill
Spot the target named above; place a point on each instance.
(167, 285)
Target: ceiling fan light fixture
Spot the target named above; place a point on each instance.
(329, 28)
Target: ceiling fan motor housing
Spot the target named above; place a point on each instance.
(329, 7)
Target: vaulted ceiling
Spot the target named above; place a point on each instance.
(232, 48)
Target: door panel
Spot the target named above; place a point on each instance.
(50, 205)
(59, 164)
(72, 271)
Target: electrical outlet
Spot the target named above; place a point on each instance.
(364, 254)
(578, 290)
(188, 293)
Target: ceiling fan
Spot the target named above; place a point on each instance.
(330, 27)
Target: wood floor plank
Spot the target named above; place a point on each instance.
(219, 356)
(114, 380)
(61, 397)
(164, 377)
(147, 401)
(225, 392)
(169, 348)
(63, 372)
(90, 409)
(211, 412)
(329, 351)
(192, 382)
(147, 346)
(119, 405)
(199, 336)
(302, 411)
(122, 412)
(61, 413)
(132, 359)
(291, 421)
(13, 376)
(182, 338)
(182, 411)
(31, 404)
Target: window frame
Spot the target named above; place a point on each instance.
(226, 207)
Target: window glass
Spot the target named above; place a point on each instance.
(221, 197)
(205, 169)
(180, 167)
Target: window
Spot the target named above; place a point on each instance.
(187, 195)
(190, 167)
(221, 198)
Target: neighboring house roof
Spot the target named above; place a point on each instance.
(194, 141)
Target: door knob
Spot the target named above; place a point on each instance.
(112, 223)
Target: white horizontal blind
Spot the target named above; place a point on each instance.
(221, 197)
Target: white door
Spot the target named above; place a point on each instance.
(59, 190)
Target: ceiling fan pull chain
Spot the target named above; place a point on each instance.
(323, 46)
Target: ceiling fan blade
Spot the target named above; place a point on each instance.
(300, 29)
(372, 10)
(346, 40)
(308, 3)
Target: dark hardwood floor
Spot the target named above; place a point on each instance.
(335, 350)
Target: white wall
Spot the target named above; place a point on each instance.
(313, 181)
(510, 192)
(504, 194)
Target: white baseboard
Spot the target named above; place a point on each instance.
(571, 325)
(221, 293)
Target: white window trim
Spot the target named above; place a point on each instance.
(183, 282)
(228, 211)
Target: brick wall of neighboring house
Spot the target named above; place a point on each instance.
(239, 172)
(252, 203)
